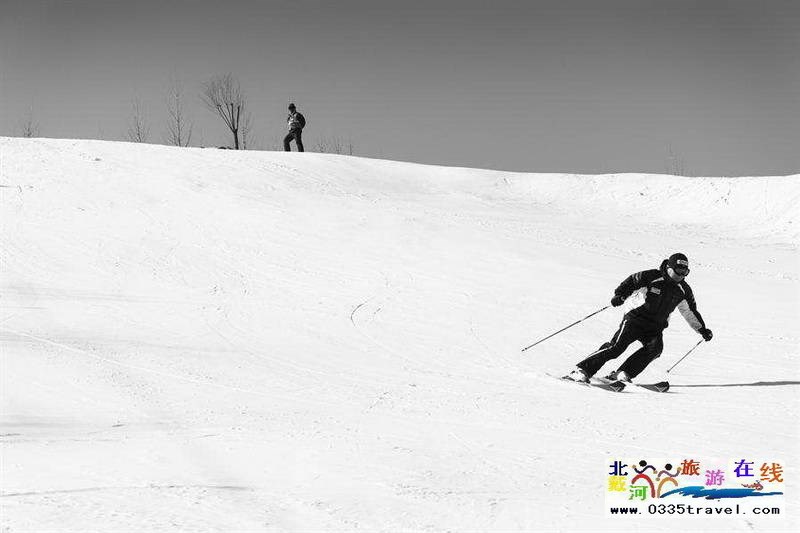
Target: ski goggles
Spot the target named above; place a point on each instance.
(680, 271)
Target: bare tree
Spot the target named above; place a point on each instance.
(223, 95)
(179, 127)
(334, 145)
(138, 128)
(676, 166)
(29, 127)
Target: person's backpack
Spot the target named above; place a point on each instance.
(302, 120)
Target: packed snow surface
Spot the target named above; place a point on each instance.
(204, 340)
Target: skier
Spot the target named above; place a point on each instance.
(663, 289)
(295, 122)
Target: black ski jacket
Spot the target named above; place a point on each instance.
(296, 121)
(661, 296)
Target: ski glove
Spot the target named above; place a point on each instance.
(616, 301)
(706, 333)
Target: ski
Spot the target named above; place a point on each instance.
(661, 386)
(614, 386)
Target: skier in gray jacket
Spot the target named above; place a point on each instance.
(295, 122)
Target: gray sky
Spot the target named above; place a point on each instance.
(565, 85)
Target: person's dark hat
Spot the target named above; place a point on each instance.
(292, 106)
(679, 263)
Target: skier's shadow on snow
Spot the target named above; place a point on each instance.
(754, 384)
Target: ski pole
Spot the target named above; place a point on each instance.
(685, 356)
(562, 329)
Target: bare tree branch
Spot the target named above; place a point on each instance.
(138, 128)
(179, 127)
(29, 127)
(676, 166)
(248, 139)
(334, 145)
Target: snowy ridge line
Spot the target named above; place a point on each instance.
(133, 367)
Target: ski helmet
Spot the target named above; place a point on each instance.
(679, 263)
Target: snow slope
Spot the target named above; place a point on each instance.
(206, 340)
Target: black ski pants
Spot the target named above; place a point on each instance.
(630, 330)
(297, 135)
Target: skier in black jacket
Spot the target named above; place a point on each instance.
(663, 289)
(295, 122)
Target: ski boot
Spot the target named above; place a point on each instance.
(618, 375)
(578, 375)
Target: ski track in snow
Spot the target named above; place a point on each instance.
(214, 341)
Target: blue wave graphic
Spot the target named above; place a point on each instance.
(717, 494)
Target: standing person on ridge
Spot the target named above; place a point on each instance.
(295, 122)
(663, 289)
